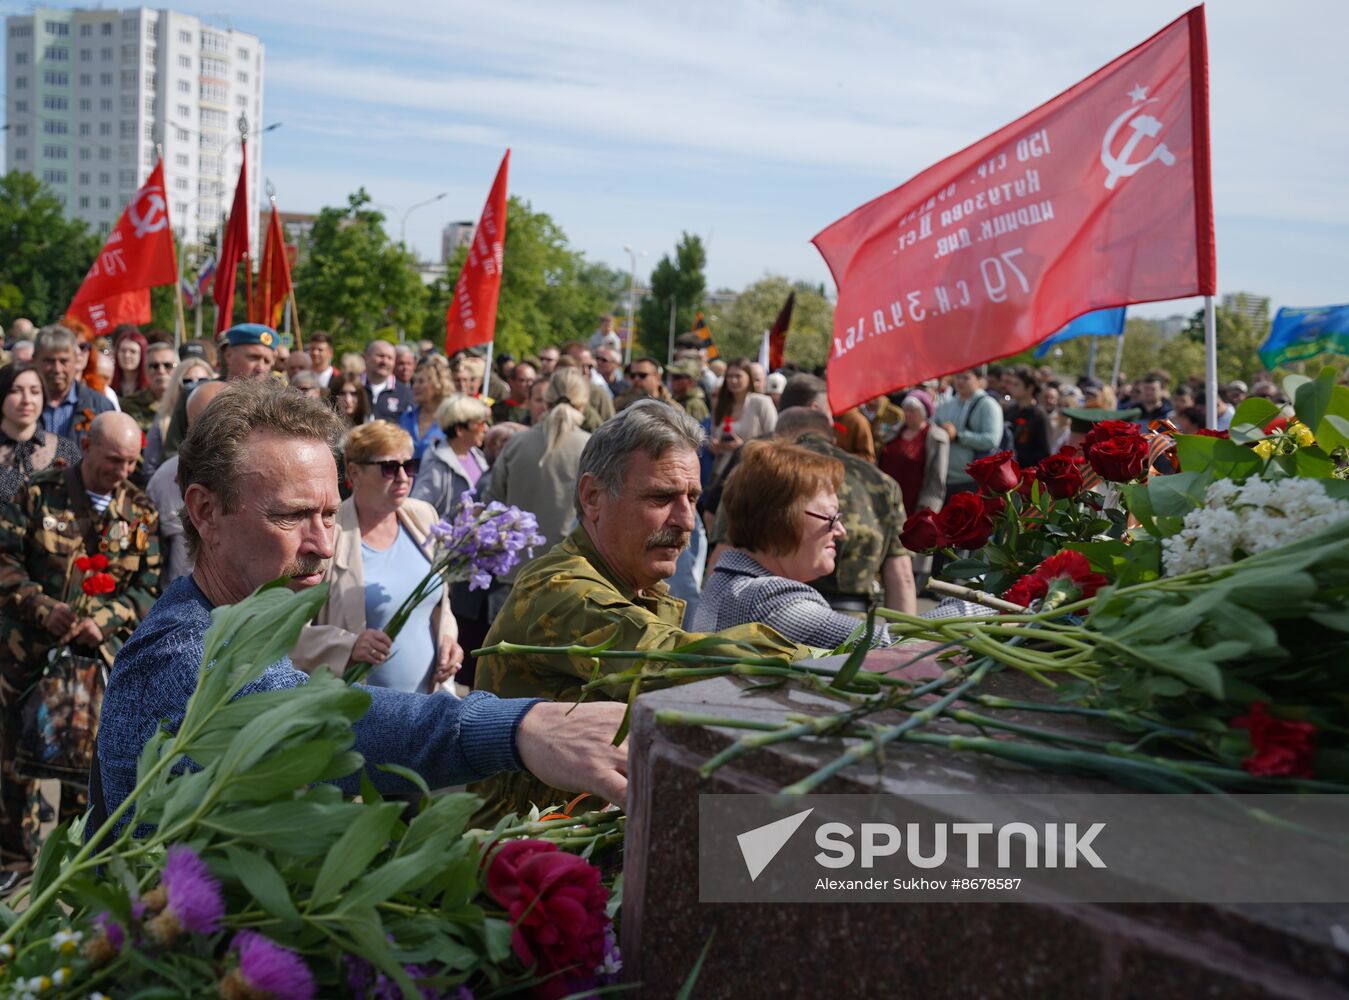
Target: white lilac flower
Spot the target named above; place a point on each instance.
(1242, 520)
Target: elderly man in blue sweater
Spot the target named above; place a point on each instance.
(259, 486)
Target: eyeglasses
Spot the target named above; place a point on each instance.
(833, 519)
(192, 383)
(160, 366)
(587, 368)
(641, 374)
(389, 467)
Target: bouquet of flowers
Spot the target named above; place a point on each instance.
(481, 542)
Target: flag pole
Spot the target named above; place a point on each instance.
(294, 315)
(487, 369)
(1119, 359)
(1210, 364)
(670, 359)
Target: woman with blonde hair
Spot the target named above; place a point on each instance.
(432, 384)
(187, 375)
(454, 466)
(378, 561)
(538, 469)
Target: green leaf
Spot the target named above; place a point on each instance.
(964, 569)
(1292, 383)
(686, 991)
(54, 850)
(1177, 495)
(1311, 402)
(281, 773)
(355, 849)
(1313, 463)
(1254, 411)
(408, 775)
(855, 659)
(1334, 430)
(497, 937)
(264, 883)
(440, 823)
(301, 827)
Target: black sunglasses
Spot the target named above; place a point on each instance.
(190, 383)
(389, 467)
(160, 366)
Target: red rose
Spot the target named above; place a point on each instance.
(1030, 587)
(1119, 459)
(1023, 488)
(1282, 748)
(922, 532)
(1059, 475)
(1104, 430)
(556, 905)
(995, 474)
(1205, 432)
(965, 521)
(1072, 566)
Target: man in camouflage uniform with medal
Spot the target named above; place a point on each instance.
(62, 516)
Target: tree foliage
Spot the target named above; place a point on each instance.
(741, 328)
(355, 282)
(550, 293)
(43, 255)
(678, 280)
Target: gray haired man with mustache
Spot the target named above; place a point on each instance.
(636, 499)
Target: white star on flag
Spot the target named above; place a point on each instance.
(1139, 94)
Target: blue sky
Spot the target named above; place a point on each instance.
(755, 124)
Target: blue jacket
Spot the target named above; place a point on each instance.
(447, 741)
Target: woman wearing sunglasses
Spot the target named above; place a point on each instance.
(185, 377)
(782, 515)
(378, 561)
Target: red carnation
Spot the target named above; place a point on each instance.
(1119, 459)
(1205, 432)
(1060, 475)
(1030, 587)
(922, 532)
(1282, 748)
(556, 905)
(98, 561)
(84, 564)
(1279, 423)
(995, 474)
(1073, 566)
(99, 583)
(965, 521)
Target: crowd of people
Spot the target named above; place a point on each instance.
(702, 496)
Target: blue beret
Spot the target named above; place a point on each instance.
(251, 333)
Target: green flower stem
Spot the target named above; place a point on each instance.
(817, 726)
(878, 741)
(1129, 720)
(674, 717)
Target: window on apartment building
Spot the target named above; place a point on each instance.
(84, 153)
(150, 106)
(105, 152)
(106, 54)
(152, 30)
(20, 58)
(244, 54)
(20, 153)
(105, 79)
(185, 62)
(128, 104)
(86, 104)
(86, 55)
(182, 184)
(130, 52)
(84, 201)
(149, 130)
(84, 180)
(86, 128)
(182, 159)
(54, 152)
(151, 81)
(21, 31)
(241, 76)
(128, 129)
(129, 29)
(182, 134)
(56, 78)
(129, 77)
(127, 178)
(56, 27)
(105, 28)
(55, 102)
(184, 111)
(105, 128)
(184, 87)
(21, 107)
(151, 56)
(55, 128)
(21, 83)
(19, 131)
(56, 53)
(149, 155)
(55, 176)
(211, 118)
(86, 79)
(105, 178)
(62, 199)
(185, 37)
(243, 102)
(104, 201)
(86, 30)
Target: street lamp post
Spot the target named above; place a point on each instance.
(632, 302)
(403, 223)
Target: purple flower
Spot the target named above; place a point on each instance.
(111, 930)
(268, 969)
(479, 580)
(193, 895)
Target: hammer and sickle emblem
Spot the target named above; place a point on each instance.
(1123, 165)
(153, 217)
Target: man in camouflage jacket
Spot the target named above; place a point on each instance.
(51, 523)
(637, 491)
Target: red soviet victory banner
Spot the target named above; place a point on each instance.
(472, 317)
(1099, 198)
(137, 256)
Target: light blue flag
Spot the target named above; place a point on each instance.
(1101, 323)
(1299, 334)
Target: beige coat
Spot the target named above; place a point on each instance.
(329, 640)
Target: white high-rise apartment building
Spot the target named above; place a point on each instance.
(90, 93)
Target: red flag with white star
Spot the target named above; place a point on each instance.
(1101, 197)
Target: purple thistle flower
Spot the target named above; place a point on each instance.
(266, 967)
(193, 895)
(111, 930)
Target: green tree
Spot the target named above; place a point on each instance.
(678, 280)
(741, 328)
(549, 292)
(355, 282)
(43, 255)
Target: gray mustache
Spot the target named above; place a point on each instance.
(305, 565)
(669, 538)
